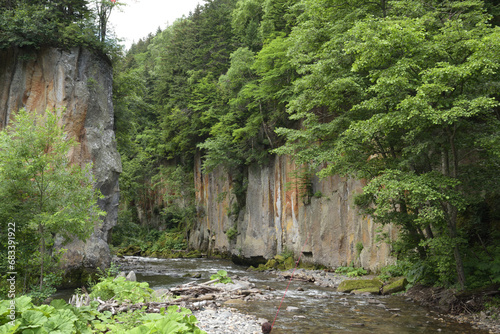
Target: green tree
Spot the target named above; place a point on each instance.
(416, 114)
(41, 192)
(103, 9)
(246, 18)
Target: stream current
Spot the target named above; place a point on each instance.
(315, 310)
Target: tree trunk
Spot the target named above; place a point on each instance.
(451, 170)
(42, 255)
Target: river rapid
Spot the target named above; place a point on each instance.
(307, 308)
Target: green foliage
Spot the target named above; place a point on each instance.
(302, 182)
(121, 290)
(60, 317)
(287, 253)
(132, 239)
(173, 320)
(359, 249)
(42, 193)
(351, 271)
(399, 97)
(232, 232)
(391, 271)
(401, 93)
(50, 282)
(222, 277)
(112, 271)
(63, 23)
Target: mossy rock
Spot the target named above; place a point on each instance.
(289, 263)
(272, 263)
(394, 287)
(279, 258)
(77, 277)
(261, 267)
(130, 250)
(350, 285)
(194, 254)
(373, 291)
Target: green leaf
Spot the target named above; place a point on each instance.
(33, 319)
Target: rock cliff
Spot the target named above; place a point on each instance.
(279, 216)
(78, 84)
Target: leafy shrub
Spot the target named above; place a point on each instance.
(50, 281)
(121, 290)
(351, 271)
(222, 277)
(173, 320)
(393, 270)
(60, 317)
(231, 233)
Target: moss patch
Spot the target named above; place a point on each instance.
(394, 287)
(350, 285)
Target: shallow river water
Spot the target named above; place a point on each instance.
(320, 310)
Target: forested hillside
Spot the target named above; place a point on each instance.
(401, 93)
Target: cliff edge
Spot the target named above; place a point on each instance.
(78, 84)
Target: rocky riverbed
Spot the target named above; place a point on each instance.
(226, 320)
(219, 318)
(245, 313)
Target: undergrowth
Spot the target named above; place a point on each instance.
(22, 316)
(351, 271)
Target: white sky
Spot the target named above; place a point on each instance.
(137, 18)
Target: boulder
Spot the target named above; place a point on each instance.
(394, 287)
(350, 285)
(131, 277)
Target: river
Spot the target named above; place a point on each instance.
(319, 310)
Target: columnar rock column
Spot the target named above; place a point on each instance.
(78, 85)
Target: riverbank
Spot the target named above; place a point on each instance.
(464, 307)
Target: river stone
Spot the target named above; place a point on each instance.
(193, 275)
(397, 286)
(350, 285)
(236, 285)
(161, 293)
(131, 276)
(234, 301)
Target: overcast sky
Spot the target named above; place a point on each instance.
(138, 18)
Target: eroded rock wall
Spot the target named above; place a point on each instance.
(78, 84)
(327, 228)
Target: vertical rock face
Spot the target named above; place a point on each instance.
(78, 84)
(279, 216)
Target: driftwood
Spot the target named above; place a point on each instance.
(191, 295)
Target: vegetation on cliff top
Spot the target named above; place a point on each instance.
(61, 23)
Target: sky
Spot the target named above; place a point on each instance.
(137, 18)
